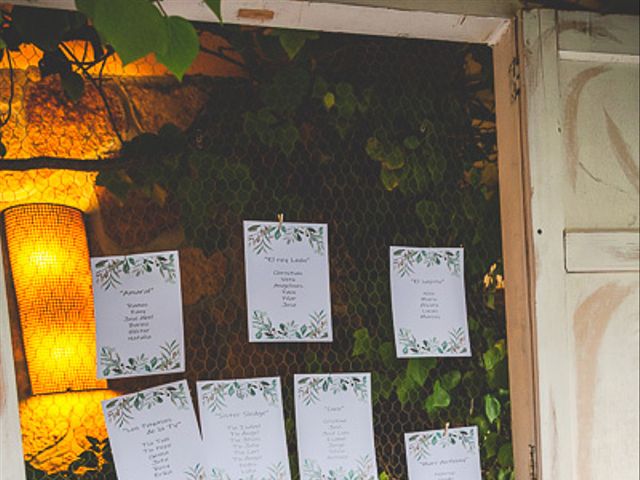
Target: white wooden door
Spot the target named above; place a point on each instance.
(580, 75)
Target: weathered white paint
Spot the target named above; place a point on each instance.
(602, 251)
(583, 160)
(335, 17)
(11, 460)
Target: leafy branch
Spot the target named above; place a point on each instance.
(109, 272)
(112, 364)
(215, 394)
(316, 328)
(260, 237)
(309, 389)
(122, 409)
(405, 260)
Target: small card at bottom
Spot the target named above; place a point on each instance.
(446, 456)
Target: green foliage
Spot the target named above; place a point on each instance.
(183, 46)
(216, 7)
(292, 41)
(138, 32)
(492, 407)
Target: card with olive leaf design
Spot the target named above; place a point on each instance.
(428, 302)
(334, 426)
(243, 429)
(287, 280)
(447, 455)
(138, 311)
(154, 434)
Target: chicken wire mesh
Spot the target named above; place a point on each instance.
(314, 139)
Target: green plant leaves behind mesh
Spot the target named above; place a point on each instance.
(216, 7)
(134, 28)
(182, 48)
(292, 41)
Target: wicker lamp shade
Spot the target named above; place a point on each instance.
(49, 259)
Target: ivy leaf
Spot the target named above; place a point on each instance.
(329, 100)
(505, 455)
(440, 398)
(362, 345)
(451, 379)
(418, 369)
(492, 407)
(384, 476)
(411, 142)
(390, 179)
(133, 35)
(183, 46)
(3, 45)
(387, 353)
(292, 41)
(216, 7)
(494, 355)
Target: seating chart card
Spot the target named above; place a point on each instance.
(287, 277)
(138, 310)
(243, 429)
(453, 455)
(334, 426)
(428, 302)
(154, 434)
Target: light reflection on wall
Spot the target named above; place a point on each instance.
(64, 421)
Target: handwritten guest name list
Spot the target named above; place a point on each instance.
(334, 426)
(428, 302)
(154, 434)
(243, 429)
(138, 310)
(287, 279)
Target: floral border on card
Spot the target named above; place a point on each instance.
(406, 259)
(121, 410)
(215, 394)
(109, 271)
(364, 470)
(195, 473)
(169, 359)
(310, 388)
(276, 472)
(262, 236)
(315, 329)
(456, 343)
(421, 444)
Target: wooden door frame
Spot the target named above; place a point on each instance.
(432, 22)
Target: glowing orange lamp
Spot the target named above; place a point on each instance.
(49, 259)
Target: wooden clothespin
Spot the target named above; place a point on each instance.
(280, 218)
(446, 429)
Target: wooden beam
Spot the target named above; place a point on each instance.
(333, 17)
(516, 233)
(602, 251)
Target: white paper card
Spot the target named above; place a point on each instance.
(287, 276)
(154, 434)
(454, 456)
(428, 302)
(138, 310)
(243, 429)
(334, 426)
